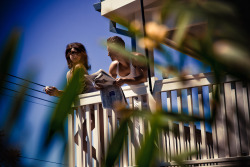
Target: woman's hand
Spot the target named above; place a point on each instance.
(119, 81)
(52, 91)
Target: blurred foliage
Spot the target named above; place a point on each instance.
(9, 155)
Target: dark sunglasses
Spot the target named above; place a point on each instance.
(75, 51)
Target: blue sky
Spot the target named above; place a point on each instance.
(47, 26)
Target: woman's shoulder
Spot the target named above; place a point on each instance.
(77, 66)
(80, 67)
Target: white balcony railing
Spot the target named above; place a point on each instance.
(227, 140)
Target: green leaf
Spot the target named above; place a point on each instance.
(117, 143)
(7, 55)
(149, 150)
(64, 107)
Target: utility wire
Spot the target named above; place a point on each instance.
(44, 161)
(30, 95)
(25, 86)
(26, 80)
(27, 100)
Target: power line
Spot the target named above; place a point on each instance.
(25, 86)
(44, 161)
(27, 100)
(30, 95)
(26, 80)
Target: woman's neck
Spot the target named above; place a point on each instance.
(73, 66)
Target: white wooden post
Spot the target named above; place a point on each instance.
(171, 127)
(221, 127)
(247, 116)
(243, 117)
(141, 120)
(247, 123)
(71, 140)
(132, 135)
(181, 125)
(214, 132)
(105, 122)
(81, 139)
(89, 135)
(202, 124)
(114, 122)
(113, 129)
(233, 134)
(97, 135)
(125, 154)
(191, 124)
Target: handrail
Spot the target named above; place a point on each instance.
(188, 81)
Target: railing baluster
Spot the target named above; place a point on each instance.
(129, 147)
(97, 135)
(131, 137)
(89, 135)
(242, 108)
(214, 133)
(105, 122)
(172, 145)
(162, 135)
(110, 127)
(221, 127)
(80, 137)
(114, 122)
(202, 124)
(141, 120)
(164, 146)
(247, 109)
(71, 138)
(167, 147)
(114, 128)
(178, 143)
(233, 134)
(125, 154)
(181, 125)
(191, 124)
(235, 120)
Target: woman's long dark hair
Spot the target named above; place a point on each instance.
(79, 48)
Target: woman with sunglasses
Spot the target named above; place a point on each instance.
(77, 58)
